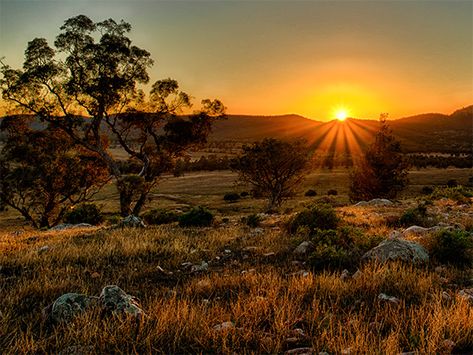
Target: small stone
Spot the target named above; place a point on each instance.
(345, 275)
(448, 345)
(95, 275)
(270, 254)
(66, 226)
(116, 301)
(132, 222)
(389, 299)
(67, 306)
(357, 274)
(304, 248)
(466, 294)
(224, 326)
(200, 268)
(44, 249)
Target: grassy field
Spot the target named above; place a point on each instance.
(275, 301)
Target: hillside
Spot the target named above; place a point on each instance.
(421, 133)
(429, 132)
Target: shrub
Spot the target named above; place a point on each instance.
(452, 183)
(319, 216)
(330, 256)
(310, 193)
(416, 216)
(197, 217)
(460, 193)
(159, 216)
(253, 220)
(454, 247)
(84, 213)
(231, 197)
(332, 192)
(427, 190)
(244, 194)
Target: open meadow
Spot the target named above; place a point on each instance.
(232, 288)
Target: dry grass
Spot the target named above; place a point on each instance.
(261, 295)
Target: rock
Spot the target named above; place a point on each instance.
(300, 351)
(398, 250)
(304, 248)
(357, 274)
(95, 275)
(345, 275)
(389, 299)
(270, 254)
(44, 249)
(67, 306)
(250, 249)
(115, 300)
(200, 268)
(447, 345)
(375, 202)
(66, 226)
(132, 222)
(224, 326)
(467, 294)
(416, 230)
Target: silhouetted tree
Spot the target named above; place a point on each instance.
(87, 88)
(382, 170)
(43, 173)
(274, 168)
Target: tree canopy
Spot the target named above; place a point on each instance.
(88, 86)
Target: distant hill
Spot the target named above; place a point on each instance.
(421, 133)
(429, 132)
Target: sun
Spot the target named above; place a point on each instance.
(341, 114)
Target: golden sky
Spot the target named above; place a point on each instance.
(277, 57)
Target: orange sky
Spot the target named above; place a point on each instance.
(309, 57)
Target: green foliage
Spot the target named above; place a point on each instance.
(84, 213)
(416, 216)
(318, 216)
(453, 247)
(310, 193)
(340, 248)
(253, 220)
(382, 171)
(159, 216)
(459, 193)
(197, 217)
(273, 168)
(231, 197)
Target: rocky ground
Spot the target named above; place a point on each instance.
(235, 289)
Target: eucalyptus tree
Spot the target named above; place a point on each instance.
(89, 86)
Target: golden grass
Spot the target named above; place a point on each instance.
(261, 295)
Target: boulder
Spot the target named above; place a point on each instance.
(117, 301)
(132, 222)
(304, 248)
(375, 202)
(67, 306)
(416, 230)
(398, 250)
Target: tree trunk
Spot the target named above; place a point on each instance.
(140, 203)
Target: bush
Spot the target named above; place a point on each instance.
(452, 183)
(319, 216)
(427, 190)
(244, 194)
(84, 213)
(461, 194)
(231, 197)
(330, 256)
(159, 216)
(197, 217)
(253, 220)
(332, 192)
(310, 193)
(416, 216)
(454, 247)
